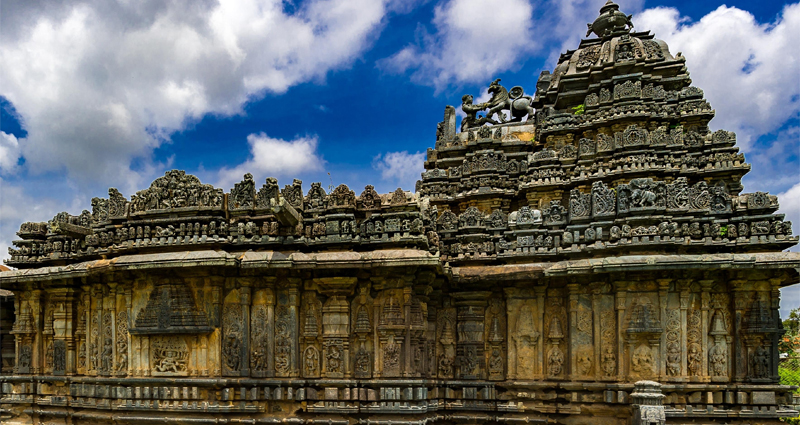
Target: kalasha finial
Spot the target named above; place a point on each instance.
(610, 22)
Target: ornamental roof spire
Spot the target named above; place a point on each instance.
(610, 22)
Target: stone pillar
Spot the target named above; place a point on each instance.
(96, 330)
(470, 340)
(245, 300)
(214, 339)
(80, 300)
(24, 332)
(684, 300)
(107, 331)
(407, 344)
(128, 306)
(262, 332)
(145, 354)
(706, 286)
(335, 335)
(572, 352)
(540, 292)
(294, 313)
(64, 347)
(270, 303)
(37, 344)
(775, 298)
(740, 301)
(623, 368)
(663, 292)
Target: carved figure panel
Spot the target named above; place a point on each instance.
(361, 325)
(673, 330)
(169, 356)
(283, 340)
(495, 331)
(643, 363)
(446, 338)
(122, 342)
(608, 341)
(176, 189)
(232, 339)
(311, 368)
(258, 339)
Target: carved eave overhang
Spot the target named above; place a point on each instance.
(788, 261)
(248, 262)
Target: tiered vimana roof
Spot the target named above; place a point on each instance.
(581, 254)
(617, 159)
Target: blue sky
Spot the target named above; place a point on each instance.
(100, 94)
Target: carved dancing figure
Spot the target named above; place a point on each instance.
(694, 360)
(555, 361)
(673, 361)
(231, 351)
(445, 365)
(333, 359)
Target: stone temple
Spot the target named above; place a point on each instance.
(584, 253)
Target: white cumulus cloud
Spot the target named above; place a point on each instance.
(9, 153)
(790, 205)
(99, 84)
(473, 40)
(271, 157)
(750, 72)
(402, 168)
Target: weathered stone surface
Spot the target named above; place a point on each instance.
(581, 254)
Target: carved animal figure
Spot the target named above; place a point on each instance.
(518, 105)
(641, 196)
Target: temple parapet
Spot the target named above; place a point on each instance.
(178, 212)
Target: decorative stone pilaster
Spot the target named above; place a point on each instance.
(64, 354)
(556, 333)
(620, 306)
(245, 300)
(24, 332)
(361, 324)
(582, 356)
(470, 307)
(262, 331)
(336, 332)
(495, 347)
(523, 333)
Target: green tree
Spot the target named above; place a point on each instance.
(790, 342)
(792, 323)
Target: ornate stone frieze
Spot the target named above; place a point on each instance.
(176, 189)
